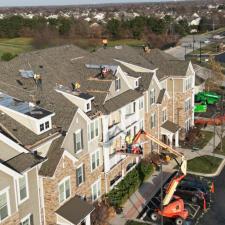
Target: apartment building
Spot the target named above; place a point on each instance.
(19, 186)
(76, 115)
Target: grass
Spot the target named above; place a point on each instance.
(217, 149)
(15, 45)
(206, 136)
(204, 164)
(200, 140)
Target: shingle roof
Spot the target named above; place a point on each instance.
(167, 65)
(23, 162)
(120, 100)
(199, 80)
(75, 210)
(53, 157)
(20, 133)
(170, 126)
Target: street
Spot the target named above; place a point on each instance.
(216, 214)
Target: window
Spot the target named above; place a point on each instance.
(42, 127)
(47, 125)
(80, 175)
(187, 104)
(28, 220)
(23, 190)
(4, 207)
(187, 125)
(95, 160)
(88, 106)
(130, 108)
(96, 128)
(136, 83)
(117, 84)
(153, 120)
(188, 83)
(64, 190)
(93, 129)
(152, 96)
(164, 115)
(96, 190)
(141, 125)
(78, 140)
(141, 104)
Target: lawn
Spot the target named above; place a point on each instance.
(217, 149)
(197, 139)
(15, 45)
(204, 164)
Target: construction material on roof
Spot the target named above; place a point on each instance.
(75, 210)
(26, 73)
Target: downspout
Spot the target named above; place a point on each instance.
(158, 127)
(173, 102)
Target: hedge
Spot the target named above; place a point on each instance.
(123, 190)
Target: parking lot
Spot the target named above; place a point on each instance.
(195, 210)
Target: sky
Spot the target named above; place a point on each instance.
(62, 2)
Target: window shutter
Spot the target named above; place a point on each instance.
(83, 173)
(31, 219)
(77, 179)
(82, 143)
(74, 141)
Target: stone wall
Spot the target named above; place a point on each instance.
(12, 220)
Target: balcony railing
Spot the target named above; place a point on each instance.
(114, 159)
(114, 130)
(130, 119)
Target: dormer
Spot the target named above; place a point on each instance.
(35, 118)
(82, 100)
(134, 81)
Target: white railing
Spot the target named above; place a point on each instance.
(130, 119)
(115, 158)
(114, 130)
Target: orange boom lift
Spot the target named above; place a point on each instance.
(173, 206)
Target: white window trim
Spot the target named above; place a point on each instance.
(77, 167)
(6, 190)
(95, 153)
(190, 106)
(141, 100)
(25, 218)
(27, 190)
(80, 150)
(153, 115)
(63, 181)
(164, 110)
(89, 129)
(96, 183)
(152, 90)
(117, 79)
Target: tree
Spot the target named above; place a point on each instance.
(65, 26)
(113, 26)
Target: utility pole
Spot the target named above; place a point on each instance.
(161, 171)
(193, 42)
(200, 51)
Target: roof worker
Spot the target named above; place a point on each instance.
(75, 86)
(38, 80)
(129, 141)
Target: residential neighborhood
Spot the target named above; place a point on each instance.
(118, 134)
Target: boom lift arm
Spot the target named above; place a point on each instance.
(183, 165)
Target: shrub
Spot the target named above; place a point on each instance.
(7, 56)
(123, 190)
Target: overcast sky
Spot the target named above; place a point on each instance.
(62, 2)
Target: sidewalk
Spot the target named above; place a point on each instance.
(142, 196)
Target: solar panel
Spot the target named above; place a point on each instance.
(26, 73)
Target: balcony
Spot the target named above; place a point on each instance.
(114, 159)
(130, 119)
(114, 130)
